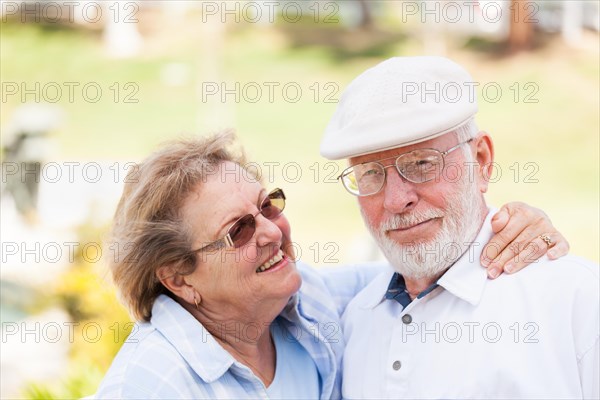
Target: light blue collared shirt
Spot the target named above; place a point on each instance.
(174, 356)
(296, 375)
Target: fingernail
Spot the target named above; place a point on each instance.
(551, 254)
(509, 267)
(493, 273)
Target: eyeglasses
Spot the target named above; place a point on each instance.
(417, 166)
(242, 230)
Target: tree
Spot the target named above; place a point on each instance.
(521, 25)
(366, 18)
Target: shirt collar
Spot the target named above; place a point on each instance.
(397, 290)
(466, 279)
(192, 340)
(377, 289)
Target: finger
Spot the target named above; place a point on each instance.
(558, 244)
(499, 220)
(516, 252)
(561, 248)
(530, 254)
(497, 265)
(521, 217)
(499, 242)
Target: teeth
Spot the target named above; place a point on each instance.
(271, 262)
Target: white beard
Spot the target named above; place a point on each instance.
(420, 259)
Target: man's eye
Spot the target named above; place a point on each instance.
(423, 164)
(372, 172)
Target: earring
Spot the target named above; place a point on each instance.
(197, 301)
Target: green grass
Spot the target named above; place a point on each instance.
(559, 133)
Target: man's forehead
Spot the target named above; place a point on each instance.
(438, 143)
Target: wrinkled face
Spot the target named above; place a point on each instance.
(422, 228)
(236, 280)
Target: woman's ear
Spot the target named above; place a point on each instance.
(175, 283)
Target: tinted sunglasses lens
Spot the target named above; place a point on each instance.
(273, 204)
(241, 232)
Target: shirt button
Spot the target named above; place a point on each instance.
(407, 319)
(396, 365)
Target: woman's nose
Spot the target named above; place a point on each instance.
(267, 231)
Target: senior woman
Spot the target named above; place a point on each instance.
(207, 267)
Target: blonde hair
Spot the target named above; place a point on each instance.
(148, 228)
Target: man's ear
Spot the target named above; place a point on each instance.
(175, 283)
(484, 155)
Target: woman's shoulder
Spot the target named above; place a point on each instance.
(141, 366)
(169, 357)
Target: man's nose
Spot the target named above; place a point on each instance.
(399, 194)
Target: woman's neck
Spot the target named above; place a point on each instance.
(247, 339)
(258, 355)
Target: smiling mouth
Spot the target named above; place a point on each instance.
(406, 228)
(270, 263)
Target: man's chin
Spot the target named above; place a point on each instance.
(419, 273)
(415, 271)
(416, 260)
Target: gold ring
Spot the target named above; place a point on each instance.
(546, 240)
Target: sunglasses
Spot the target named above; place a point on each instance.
(242, 230)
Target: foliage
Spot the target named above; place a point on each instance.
(81, 381)
(101, 324)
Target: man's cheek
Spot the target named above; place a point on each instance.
(452, 173)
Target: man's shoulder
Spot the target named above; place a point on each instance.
(577, 274)
(371, 295)
(566, 269)
(562, 296)
(584, 265)
(569, 284)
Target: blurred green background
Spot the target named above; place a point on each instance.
(545, 125)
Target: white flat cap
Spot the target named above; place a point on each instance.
(401, 101)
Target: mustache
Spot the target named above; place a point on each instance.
(403, 221)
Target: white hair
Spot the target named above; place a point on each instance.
(465, 132)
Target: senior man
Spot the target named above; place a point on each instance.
(434, 326)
